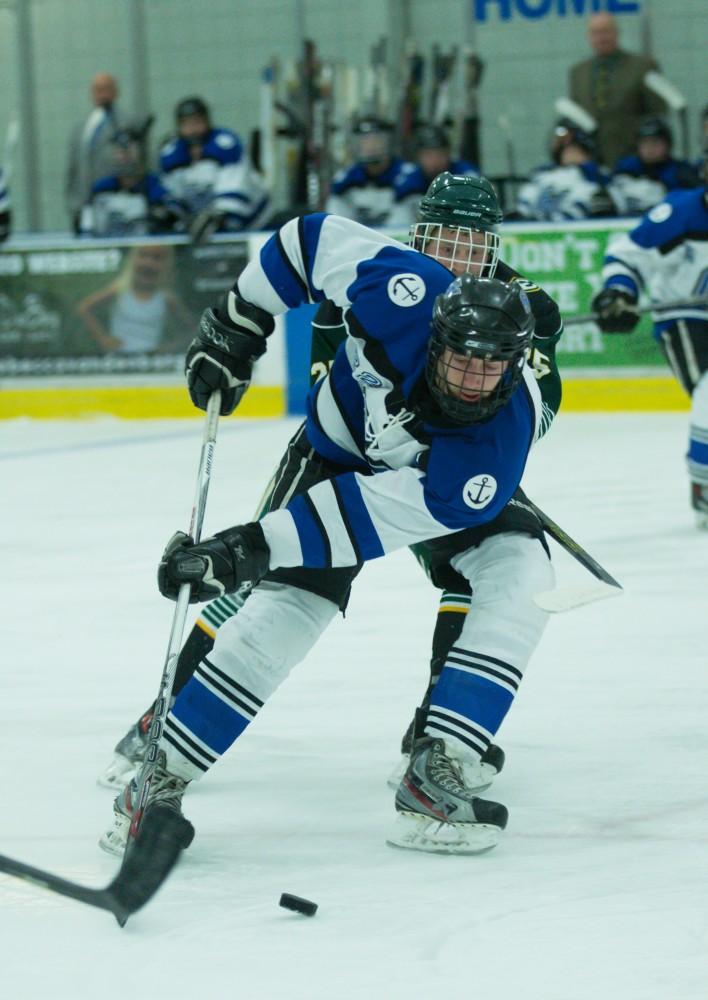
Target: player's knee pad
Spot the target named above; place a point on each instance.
(505, 572)
(275, 629)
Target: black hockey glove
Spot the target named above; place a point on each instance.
(616, 311)
(222, 356)
(232, 560)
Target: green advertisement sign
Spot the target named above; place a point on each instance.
(567, 263)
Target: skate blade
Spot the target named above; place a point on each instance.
(425, 833)
(118, 773)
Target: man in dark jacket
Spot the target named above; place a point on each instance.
(611, 87)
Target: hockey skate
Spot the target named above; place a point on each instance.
(128, 754)
(699, 502)
(480, 778)
(166, 789)
(437, 808)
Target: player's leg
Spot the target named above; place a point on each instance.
(476, 687)
(130, 749)
(254, 650)
(452, 611)
(685, 346)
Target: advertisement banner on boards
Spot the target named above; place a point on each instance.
(567, 262)
(87, 309)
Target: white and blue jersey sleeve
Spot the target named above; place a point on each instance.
(665, 255)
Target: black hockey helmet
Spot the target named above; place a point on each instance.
(482, 330)
(655, 128)
(457, 220)
(373, 139)
(366, 124)
(191, 106)
(568, 133)
(431, 137)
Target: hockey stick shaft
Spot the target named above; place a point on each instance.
(572, 547)
(667, 306)
(162, 704)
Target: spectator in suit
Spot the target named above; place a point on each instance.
(610, 86)
(89, 155)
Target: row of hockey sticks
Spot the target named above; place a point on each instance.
(688, 303)
(153, 849)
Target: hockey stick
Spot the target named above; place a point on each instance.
(667, 306)
(155, 845)
(567, 598)
(162, 704)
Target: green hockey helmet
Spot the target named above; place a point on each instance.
(457, 221)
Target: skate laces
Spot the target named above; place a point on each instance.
(445, 772)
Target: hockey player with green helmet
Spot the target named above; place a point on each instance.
(457, 225)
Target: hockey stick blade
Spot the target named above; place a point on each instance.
(151, 858)
(568, 598)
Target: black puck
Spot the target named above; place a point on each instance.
(298, 904)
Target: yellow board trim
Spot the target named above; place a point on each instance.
(639, 394)
(129, 402)
(643, 394)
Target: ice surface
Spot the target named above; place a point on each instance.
(598, 889)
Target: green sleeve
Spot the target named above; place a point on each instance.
(328, 332)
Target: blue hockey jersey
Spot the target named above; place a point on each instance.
(407, 475)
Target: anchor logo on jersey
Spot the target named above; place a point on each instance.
(406, 289)
(479, 491)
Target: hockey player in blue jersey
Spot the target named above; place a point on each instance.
(413, 435)
(130, 201)
(665, 257)
(366, 190)
(574, 186)
(644, 178)
(208, 173)
(433, 158)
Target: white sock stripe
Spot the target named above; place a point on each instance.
(474, 657)
(198, 746)
(187, 747)
(699, 434)
(242, 708)
(445, 732)
(479, 671)
(238, 690)
(460, 724)
(464, 719)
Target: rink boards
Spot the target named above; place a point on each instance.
(53, 290)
